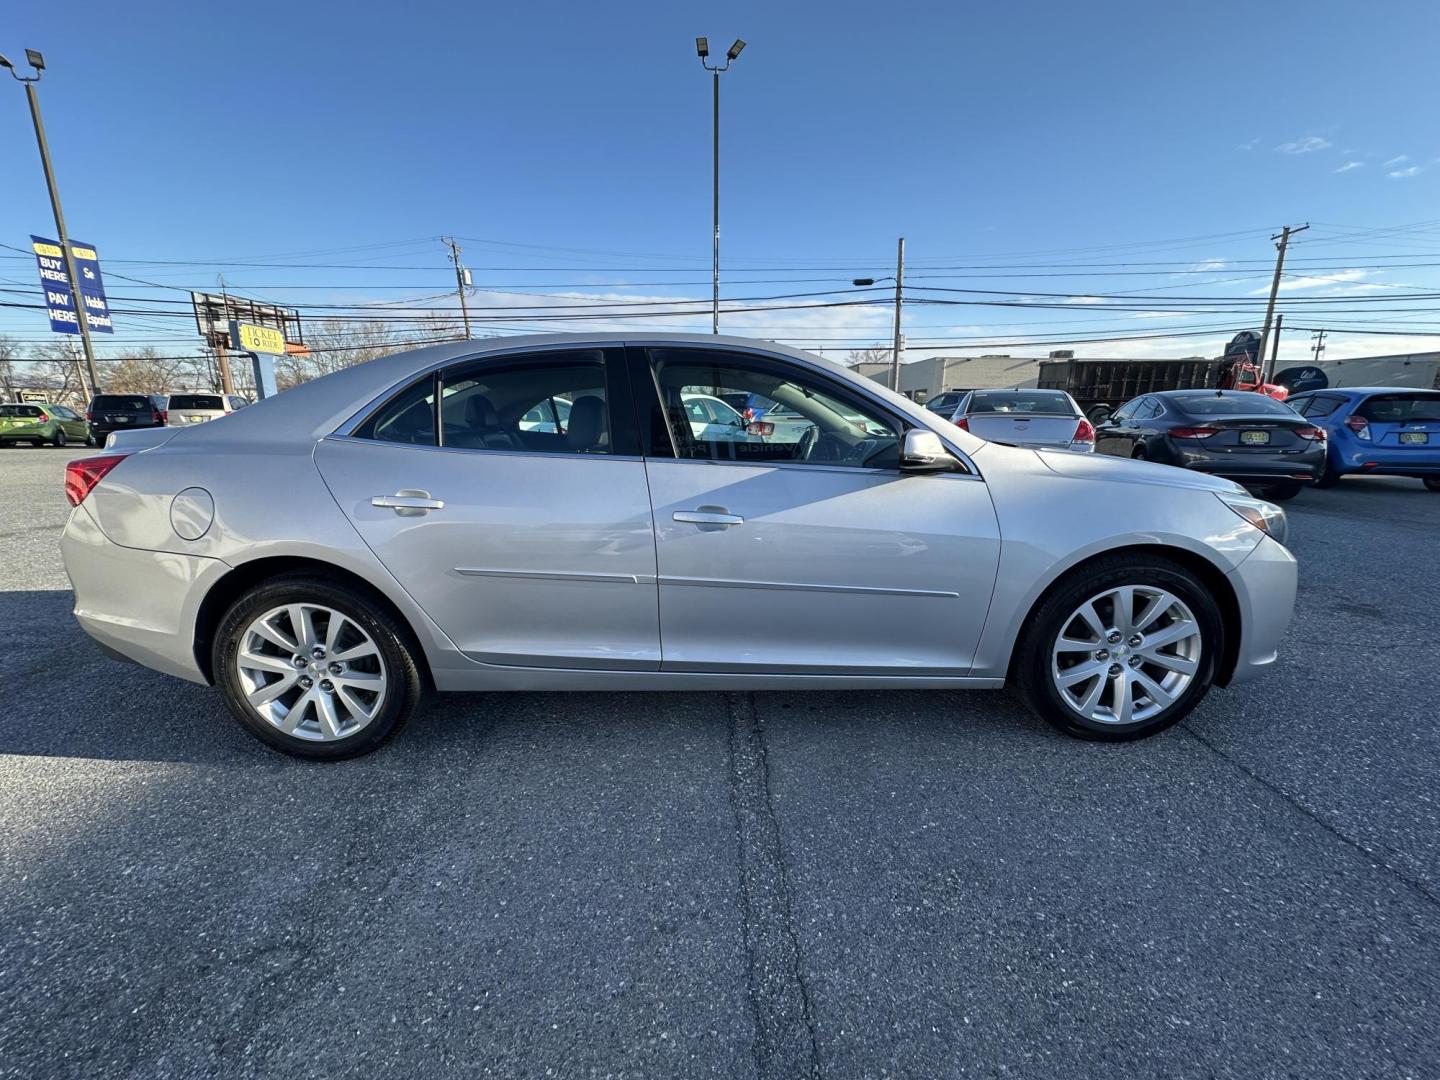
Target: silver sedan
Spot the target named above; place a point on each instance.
(327, 555)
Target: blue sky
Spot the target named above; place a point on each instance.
(1160, 145)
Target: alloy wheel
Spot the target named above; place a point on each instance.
(1126, 654)
(311, 672)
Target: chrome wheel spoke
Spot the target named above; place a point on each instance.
(1080, 672)
(351, 701)
(1123, 703)
(361, 680)
(296, 713)
(302, 624)
(1124, 608)
(273, 634)
(1092, 619)
(1182, 664)
(327, 715)
(1176, 631)
(271, 690)
(358, 652)
(1153, 610)
(1156, 692)
(1073, 645)
(266, 662)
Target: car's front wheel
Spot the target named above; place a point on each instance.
(315, 668)
(1123, 648)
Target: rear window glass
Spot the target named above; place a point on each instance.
(196, 401)
(19, 410)
(1400, 408)
(121, 402)
(1242, 404)
(1035, 403)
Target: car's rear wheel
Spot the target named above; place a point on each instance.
(1280, 492)
(1121, 649)
(316, 668)
(1431, 483)
(1327, 479)
(61, 439)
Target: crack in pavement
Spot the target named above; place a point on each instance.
(1419, 886)
(785, 1042)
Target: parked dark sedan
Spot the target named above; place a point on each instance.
(1240, 435)
(125, 412)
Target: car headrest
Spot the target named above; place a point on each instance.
(587, 422)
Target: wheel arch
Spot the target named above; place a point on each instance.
(247, 575)
(1210, 574)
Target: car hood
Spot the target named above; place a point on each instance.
(1104, 467)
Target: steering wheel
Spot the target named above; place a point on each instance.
(806, 446)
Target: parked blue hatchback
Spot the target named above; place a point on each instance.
(1376, 431)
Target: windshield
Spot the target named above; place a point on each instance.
(1401, 408)
(1025, 402)
(1242, 404)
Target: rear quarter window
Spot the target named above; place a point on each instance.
(19, 410)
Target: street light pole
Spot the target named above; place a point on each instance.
(77, 297)
(899, 295)
(702, 49)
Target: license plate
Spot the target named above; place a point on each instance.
(1254, 438)
(121, 419)
(197, 419)
(1414, 437)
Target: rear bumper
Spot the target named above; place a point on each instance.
(1302, 465)
(1356, 457)
(141, 605)
(1264, 586)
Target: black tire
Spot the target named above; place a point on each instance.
(90, 439)
(1281, 492)
(61, 440)
(1139, 453)
(1030, 668)
(1431, 483)
(1329, 478)
(397, 648)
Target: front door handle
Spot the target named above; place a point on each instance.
(408, 502)
(707, 517)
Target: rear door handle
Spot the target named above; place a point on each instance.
(706, 517)
(408, 502)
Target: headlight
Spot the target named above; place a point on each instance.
(1265, 516)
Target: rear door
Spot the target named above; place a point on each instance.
(808, 551)
(527, 547)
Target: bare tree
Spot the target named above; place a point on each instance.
(9, 366)
(57, 367)
(145, 372)
(867, 356)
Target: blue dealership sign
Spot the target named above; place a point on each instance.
(58, 299)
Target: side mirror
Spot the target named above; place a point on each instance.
(922, 451)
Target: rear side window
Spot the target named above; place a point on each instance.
(196, 401)
(19, 410)
(121, 402)
(554, 404)
(408, 417)
(1409, 408)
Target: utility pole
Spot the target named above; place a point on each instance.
(899, 299)
(462, 279)
(82, 317)
(1274, 350)
(227, 380)
(1318, 349)
(702, 50)
(1284, 237)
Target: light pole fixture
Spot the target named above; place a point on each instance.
(82, 318)
(702, 50)
(899, 280)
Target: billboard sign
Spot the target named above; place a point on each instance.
(247, 337)
(214, 312)
(58, 299)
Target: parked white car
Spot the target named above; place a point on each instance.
(185, 409)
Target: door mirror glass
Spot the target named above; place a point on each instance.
(923, 451)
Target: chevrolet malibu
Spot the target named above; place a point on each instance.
(326, 556)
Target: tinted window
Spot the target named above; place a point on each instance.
(238, 402)
(1321, 406)
(1024, 402)
(1241, 404)
(554, 403)
(19, 410)
(121, 403)
(62, 412)
(1400, 408)
(1126, 411)
(196, 401)
(795, 416)
(408, 417)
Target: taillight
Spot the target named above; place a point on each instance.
(1194, 432)
(89, 416)
(1084, 432)
(161, 417)
(44, 418)
(1360, 426)
(964, 423)
(1314, 434)
(82, 475)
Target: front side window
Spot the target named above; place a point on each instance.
(789, 414)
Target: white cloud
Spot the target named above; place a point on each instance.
(1396, 161)
(1351, 165)
(1309, 144)
(1290, 284)
(1160, 314)
(1249, 145)
(1083, 300)
(1405, 173)
(1209, 266)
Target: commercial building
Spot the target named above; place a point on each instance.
(923, 379)
(1420, 371)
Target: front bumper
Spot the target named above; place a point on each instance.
(139, 604)
(1264, 586)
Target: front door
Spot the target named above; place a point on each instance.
(802, 547)
(528, 544)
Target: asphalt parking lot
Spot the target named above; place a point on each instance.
(769, 885)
